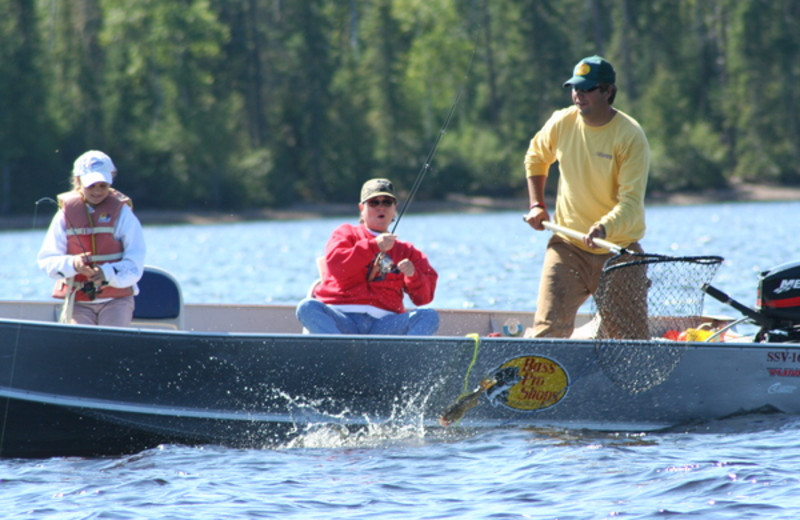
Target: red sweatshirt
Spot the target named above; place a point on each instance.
(349, 256)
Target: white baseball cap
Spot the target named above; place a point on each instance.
(94, 166)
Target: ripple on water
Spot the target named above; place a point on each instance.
(745, 467)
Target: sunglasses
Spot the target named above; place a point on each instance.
(586, 90)
(374, 203)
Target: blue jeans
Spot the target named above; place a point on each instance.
(320, 318)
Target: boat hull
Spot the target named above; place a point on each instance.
(74, 390)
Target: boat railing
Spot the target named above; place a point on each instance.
(280, 319)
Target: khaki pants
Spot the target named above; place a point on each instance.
(569, 276)
(117, 312)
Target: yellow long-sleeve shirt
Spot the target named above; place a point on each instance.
(603, 173)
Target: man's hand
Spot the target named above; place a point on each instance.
(596, 231)
(535, 217)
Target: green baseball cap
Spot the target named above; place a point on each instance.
(591, 71)
(375, 187)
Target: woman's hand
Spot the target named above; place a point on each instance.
(406, 267)
(385, 241)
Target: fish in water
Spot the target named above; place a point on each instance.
(456, 411)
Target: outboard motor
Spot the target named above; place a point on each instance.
(777, 305)
(779, 293)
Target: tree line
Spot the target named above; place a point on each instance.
(230, 104)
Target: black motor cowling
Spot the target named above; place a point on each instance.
(779, 293)
(777, 309)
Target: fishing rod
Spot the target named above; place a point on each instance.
(432, 153)
(383, 263)
(89, 286)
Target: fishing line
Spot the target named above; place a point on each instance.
(68, 220)
(466, 400)
(432, 153)
(477, 339)
(51, 200)
(89, 287)
(54, 202)
(16, 342)
(382, 263)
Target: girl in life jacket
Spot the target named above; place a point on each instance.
(94, 247)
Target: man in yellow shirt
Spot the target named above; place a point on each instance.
(604, 160)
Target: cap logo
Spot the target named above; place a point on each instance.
(94, 163)
(582, 69)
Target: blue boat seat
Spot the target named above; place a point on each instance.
(159, 303)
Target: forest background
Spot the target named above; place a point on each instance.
(235, 104)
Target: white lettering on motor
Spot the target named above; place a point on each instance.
(787, 285)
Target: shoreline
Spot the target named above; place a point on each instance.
(738, 192)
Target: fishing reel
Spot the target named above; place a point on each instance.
(90, 290)
(381, 266)
(386, 265)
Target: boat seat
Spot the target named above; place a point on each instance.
(159, 303)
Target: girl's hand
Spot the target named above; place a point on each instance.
(97, 276)
(82, 265)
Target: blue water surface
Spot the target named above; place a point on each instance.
(747, 467)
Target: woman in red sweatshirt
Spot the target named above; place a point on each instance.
(366, 273)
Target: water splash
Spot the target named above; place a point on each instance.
(316, 428)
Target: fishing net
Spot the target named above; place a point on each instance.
(647, 297)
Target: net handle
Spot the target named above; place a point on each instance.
(579, 236)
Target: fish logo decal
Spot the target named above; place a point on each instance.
(523, 383)
(528, 383)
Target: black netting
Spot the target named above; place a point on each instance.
(644, 297)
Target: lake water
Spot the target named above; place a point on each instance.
(743, 468)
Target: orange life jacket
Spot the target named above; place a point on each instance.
(92, 233)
